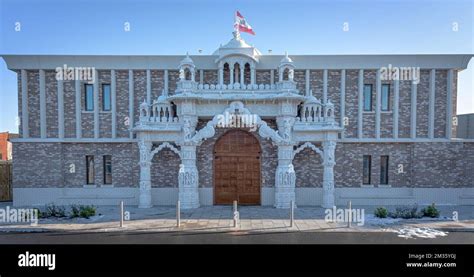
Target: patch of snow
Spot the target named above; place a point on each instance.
(422, 232)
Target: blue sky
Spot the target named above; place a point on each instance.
(175, 27)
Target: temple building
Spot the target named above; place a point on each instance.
(319, 130)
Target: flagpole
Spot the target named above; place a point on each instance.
(236, 31)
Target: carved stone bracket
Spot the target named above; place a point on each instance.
(278, 137)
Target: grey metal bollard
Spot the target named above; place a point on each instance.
(349, 222)
(236, 214)
(178, 214)
(292, 213)
(121, 214)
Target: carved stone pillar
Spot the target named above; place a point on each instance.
(252, 74)
(145, 176)
(285, 178)
(221, 74)
(242, 69)
(188, 178)
(329, 148)
(231, 74)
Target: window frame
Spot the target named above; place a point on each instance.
(384, 169)
(109, 98)
(86, 94)
(388, 98)
(370, 98)
(90, 174)
(369, 170)
(107, 159)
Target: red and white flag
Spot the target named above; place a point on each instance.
(242, 25)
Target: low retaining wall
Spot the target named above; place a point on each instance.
(304, 196)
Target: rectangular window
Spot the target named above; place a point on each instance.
(106, 98)
(384, 170)
(89, 97)
(107, 169)
(367, 98)
(367, 164)
(385, 97)
(90, 170)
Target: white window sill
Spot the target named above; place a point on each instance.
(107, 186)
(366, 186)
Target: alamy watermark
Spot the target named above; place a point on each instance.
(13, 215)
(230, 120)
(404, 73)
(345, 215)
(72, 73)
(37, 260)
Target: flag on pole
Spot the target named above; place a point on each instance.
(242, 25)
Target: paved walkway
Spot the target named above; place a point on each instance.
(252, 219)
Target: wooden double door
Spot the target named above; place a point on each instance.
(237, 157)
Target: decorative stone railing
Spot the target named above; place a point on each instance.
(189, 86)
(157, 112)
(316, 112)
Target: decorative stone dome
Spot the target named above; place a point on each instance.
(237, 46)
(187, 61)
(286, 59)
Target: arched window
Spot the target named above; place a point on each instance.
(226, 73)
(187, 74)
(247, 72)
(286, 73)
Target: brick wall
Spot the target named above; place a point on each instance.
(69, 109)
(33, 103)
(352, 100)
(262, 76)
(122, 124)
(51, 164)
(424, 164)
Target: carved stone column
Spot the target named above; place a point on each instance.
(145, 176)
(231, 74)
(188, 178)
(252, 74)
(285, 178)
(242, 72)
(221, 74)
(329, 148)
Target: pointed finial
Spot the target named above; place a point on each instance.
(236, 34)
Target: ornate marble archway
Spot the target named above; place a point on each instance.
(284, 138)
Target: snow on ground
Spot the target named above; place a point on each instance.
(421, 232)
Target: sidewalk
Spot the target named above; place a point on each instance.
(252, 219)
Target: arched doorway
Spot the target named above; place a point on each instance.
(237, 169)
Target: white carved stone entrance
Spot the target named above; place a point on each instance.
(171, 121)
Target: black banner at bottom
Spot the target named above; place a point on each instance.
(452, 260)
